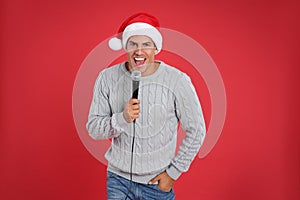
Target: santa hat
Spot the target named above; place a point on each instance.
(138, 24)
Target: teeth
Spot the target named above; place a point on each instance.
(139, 59)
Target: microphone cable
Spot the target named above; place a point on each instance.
(131, 163)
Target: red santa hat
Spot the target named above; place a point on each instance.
(138, 24)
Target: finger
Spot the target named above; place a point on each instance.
(155, 179)
(135, 112)
(134, 101)
(135, 107)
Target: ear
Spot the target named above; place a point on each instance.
(155, 51)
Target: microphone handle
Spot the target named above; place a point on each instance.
(135, 89)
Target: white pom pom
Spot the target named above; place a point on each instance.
(115, 44)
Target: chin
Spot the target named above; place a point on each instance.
(141, 68)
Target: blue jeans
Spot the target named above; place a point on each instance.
(117, 188)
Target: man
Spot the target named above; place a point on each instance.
(141, 160)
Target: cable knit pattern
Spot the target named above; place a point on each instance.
(167, 97)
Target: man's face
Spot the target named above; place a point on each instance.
(140, 53)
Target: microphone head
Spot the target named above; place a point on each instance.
(136, 75)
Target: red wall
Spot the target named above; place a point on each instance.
(255, 45)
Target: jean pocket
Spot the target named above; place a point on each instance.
(110, 175)
(156, 186)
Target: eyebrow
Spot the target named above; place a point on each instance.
(132, 42)
(147, 43)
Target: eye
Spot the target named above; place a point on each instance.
(132, 44)
(147, 44)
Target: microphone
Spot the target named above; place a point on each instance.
(136, 76)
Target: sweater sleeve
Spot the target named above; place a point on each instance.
(189, 113)
(102, 123)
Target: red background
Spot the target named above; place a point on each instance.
(255, 45)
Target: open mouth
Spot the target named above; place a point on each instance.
(139, 61)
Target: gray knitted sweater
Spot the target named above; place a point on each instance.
(167, 97)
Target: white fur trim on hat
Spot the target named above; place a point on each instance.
(115, 44)
(140, 28)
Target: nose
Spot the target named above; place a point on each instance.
(138, 51)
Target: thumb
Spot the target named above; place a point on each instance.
(156, 178)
